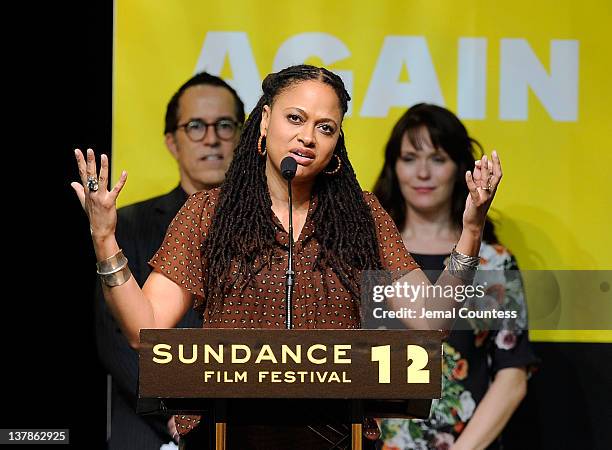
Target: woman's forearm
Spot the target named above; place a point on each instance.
(127, 303)
(468, 244)
(493, 412)
(469, 241)
(428, 301)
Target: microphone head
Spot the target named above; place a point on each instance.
(288, 167)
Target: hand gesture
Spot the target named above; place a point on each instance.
(482, 185)
(98, 202)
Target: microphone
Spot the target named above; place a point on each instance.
(288, 169)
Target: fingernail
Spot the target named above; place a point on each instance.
(494, 153)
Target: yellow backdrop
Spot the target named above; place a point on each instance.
(529, 79)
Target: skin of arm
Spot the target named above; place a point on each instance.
(469, 244)
(493, 412)
(161, 303)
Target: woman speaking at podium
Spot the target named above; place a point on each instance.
(226, 251)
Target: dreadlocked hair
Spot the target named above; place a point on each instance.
(242, 235)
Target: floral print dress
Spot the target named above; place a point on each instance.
(471, 357)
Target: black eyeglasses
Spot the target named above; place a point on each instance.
(196, 129)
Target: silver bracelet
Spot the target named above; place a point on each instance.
(114, 270)
(108, 265)
(462, 266)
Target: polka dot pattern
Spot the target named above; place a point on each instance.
(320, 300)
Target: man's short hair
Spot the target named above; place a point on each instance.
(202, 78)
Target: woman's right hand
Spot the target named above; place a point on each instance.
(100, 205)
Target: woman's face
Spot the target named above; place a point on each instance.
(303, 123)
(426, 176)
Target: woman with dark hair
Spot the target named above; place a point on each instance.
(225, 252)
(484, 371)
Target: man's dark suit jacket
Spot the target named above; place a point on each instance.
(140, 231)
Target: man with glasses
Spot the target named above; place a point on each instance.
(202, 129)
(202, 124)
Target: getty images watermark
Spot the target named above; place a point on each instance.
(405, 292)
(495, 300)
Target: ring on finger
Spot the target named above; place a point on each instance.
(92, 183)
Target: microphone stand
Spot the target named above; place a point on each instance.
(289, 274)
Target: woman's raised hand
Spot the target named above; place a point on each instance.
(482, 184)
(98, 202)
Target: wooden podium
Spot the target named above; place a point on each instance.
(306, 377)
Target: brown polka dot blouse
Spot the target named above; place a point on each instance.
(261, 303)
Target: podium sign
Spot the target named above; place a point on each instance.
(313, 364)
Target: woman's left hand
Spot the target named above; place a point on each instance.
(482, 184)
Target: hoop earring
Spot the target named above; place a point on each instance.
(259, 142)
(337, 169)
